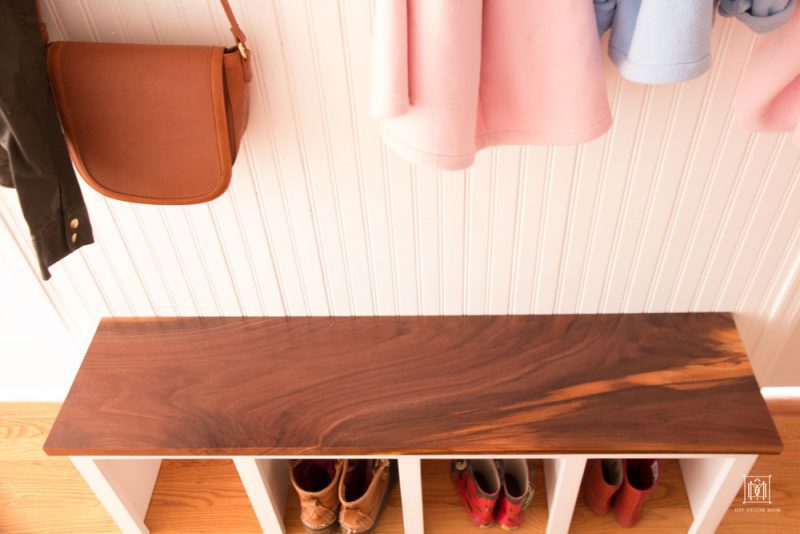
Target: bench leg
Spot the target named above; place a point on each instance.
(123, 487)
(411, 493)
(563, 477)
(711, 485)
(266, 483)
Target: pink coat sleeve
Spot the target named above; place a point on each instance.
(389, 59)
(768, 98)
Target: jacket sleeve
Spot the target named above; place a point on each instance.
(5, 170)
(39, 166)
(389, 59)
(761, 16)
(768, 96)
(604, 12)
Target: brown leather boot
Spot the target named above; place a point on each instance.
(363, 491)
(316, 483)
(601, 480)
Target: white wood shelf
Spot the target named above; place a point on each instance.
(124, 486)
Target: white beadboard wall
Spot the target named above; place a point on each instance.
(675, 209)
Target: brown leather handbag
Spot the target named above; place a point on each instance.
(155, 124)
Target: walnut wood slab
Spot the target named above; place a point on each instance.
(638, 383)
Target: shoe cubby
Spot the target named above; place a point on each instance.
(667, 508)
(390, 520)
(209, 492)
(444, 511)
(425, 500)
(253, 494)
(278, 507)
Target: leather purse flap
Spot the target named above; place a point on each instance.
(145, 123)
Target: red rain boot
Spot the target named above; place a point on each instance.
(641, 477)
(601, 480)
(478, 485)
(516, 495)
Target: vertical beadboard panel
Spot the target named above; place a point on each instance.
(559, 187)
(503, 227)
(675, 209)
(481, 178)
(530, 205)
(453, 239)
(783, 341)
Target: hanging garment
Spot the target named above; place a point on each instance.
(453, 76)
(5, 169)
(670, 42)
(761, 16)
(658, 42)
(30, 135)
(768, 98)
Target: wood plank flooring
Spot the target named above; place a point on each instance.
(785, 471)
(40, 494)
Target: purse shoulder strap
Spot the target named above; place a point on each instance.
(236, 30)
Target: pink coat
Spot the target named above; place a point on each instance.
(453, 76)
(768, 98)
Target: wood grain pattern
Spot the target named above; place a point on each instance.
(40, 493)
(785, 471)
(24, 429)
(415, 385)
(199, 493)
(48, 495)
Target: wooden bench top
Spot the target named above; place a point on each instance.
(646, 383)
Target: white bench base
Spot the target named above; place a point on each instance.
(124, 485)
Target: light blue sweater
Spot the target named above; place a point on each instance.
(668, 41)
(761, 15)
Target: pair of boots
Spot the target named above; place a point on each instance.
(351, 493)
(493, 490)
(623, 484)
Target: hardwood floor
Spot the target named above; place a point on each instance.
(200, 496)
(785, 471)
(40, 494)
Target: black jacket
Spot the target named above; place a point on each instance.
(33, 156)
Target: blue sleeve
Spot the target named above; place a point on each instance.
(604, 12)
(761, 16)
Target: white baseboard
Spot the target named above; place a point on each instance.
(786, 392)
